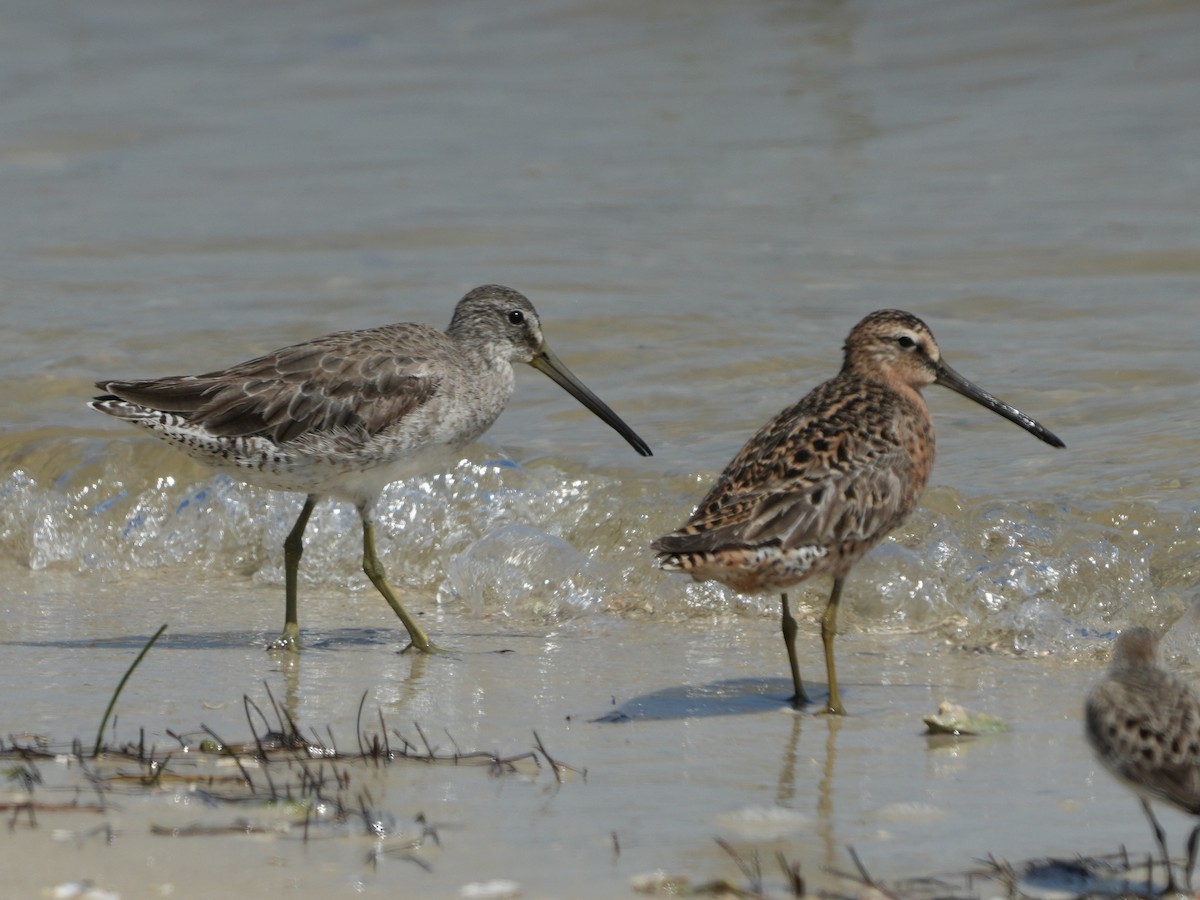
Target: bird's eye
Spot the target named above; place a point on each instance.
(516, 317)
(905, 342)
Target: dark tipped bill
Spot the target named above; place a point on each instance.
(947, 377)
(545, 361)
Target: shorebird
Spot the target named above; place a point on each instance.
(825, 480)
(346, 414)
(1144, 725)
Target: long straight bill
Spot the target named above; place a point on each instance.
(947, 377)
(552, 366)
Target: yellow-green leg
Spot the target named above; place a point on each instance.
(799, 698)
(374, 569)
(293, 549)
(828, 630)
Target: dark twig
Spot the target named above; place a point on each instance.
(791, 871)
(246, 704)
(425, 740)
(753, 873)
(408, 747)
(358, 725)
(387, 746)
(863, 876)
(228, 751)
(117, 693)
(274, 706)
(555, 766)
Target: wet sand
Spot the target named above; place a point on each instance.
(701, 198)
(682, 731)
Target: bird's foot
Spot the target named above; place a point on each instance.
(833, 705)
(427, 647)
(289, 640)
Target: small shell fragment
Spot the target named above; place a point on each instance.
(954, 719)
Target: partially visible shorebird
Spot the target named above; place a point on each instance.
(1143, 723)
(346, 414)
(825, 480)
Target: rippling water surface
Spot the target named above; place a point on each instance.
(701, 199)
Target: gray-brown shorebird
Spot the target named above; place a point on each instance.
(1143, 723)
(825, 480)
(348, 413)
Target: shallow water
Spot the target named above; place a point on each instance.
(701, 199)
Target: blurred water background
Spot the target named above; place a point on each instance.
(701, 199)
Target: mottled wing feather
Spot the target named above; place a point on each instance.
(847, 506)
(859, 505)
(1148, 734)
(319, 385)
(805, 480)
(159, 393)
